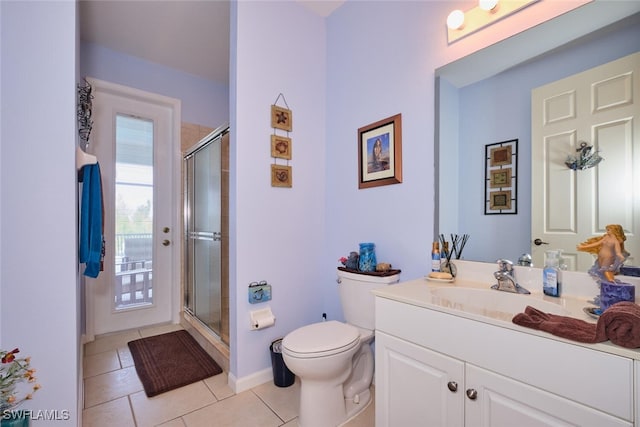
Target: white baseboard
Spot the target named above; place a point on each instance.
(238, 385)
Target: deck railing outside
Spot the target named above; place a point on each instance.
(134, 270)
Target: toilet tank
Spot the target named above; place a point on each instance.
(358, 303)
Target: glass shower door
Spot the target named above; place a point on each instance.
(203, 237)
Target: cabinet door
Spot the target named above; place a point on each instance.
(415, 386)
(503, 402)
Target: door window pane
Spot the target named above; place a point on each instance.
(133, 212)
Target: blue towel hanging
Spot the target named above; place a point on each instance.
(91, 220)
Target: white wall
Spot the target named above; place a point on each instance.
(277, 234)
(39, 306)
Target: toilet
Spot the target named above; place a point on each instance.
(334, 360)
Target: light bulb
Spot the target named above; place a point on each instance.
(487, 4)
(455, 20)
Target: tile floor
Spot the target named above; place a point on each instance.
(113, 395)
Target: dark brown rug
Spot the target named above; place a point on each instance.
(168, 361)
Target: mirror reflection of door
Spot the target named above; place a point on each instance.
(601, 107)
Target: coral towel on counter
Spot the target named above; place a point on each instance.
(91, 221)
(620, 324)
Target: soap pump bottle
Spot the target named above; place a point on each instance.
(435, 257)
(551, 274)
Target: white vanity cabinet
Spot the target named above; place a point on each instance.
(438, 369)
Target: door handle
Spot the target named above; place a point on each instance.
(539, 242)
(166, 242)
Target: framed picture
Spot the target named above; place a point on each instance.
(281, 176)
(500, 156)
(500, 200)
(281, 118)
(380, 153)
(501, 178)
(281, 147)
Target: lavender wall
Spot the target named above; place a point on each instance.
(40, 303)
(204, 102)
(278, 234)
(499, 109)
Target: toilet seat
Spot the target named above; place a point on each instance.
(321, 339)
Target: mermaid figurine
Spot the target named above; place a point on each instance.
(610, 251)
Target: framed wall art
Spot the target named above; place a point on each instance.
(501, 178)
(281, 176)
(281, 147)
(380, 153)
(281, 118)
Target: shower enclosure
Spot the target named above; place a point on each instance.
(206, 295)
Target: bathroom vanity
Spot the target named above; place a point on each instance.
(447, 354)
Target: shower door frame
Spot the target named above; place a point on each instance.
(219, 136)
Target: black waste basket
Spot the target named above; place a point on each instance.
(282, 376)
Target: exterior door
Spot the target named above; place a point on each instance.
(601, 107)
(134, 138)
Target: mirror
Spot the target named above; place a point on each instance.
(477, 106)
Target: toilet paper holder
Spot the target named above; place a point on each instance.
(260, 319)
(259, 292)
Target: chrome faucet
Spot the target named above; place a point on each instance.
(506, 278)
(525, 260)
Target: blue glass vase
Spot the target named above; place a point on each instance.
(367, 261)
(15, 418)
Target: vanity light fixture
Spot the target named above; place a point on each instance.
(455, 20)
(488, 5)
(461, 24)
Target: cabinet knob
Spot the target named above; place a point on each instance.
(166, 242)
(453, 386)
(472, 393)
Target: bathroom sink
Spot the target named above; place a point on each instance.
(491, 303)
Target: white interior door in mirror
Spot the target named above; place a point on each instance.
(600, 106)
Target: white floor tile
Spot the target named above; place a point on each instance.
(114, 413)
(284, 401)
(100, 363)
(111, 385)
(114, 395)
(241, 410)
(151, 411)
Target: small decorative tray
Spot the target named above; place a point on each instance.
(433, 279)
(371, 273)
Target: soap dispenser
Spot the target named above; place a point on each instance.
(551, 274)
(435, 256)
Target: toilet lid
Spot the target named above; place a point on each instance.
(321, 339)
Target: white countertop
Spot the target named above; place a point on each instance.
(423, 293)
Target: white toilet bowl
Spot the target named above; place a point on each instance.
(334, 360)
(335, 367)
